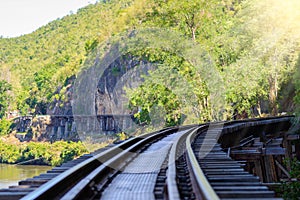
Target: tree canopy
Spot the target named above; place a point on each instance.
(251, 46)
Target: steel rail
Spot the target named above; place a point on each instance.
(65, 180)
(61, 184)
(203, 185)
(172, 189)
(101, 173)
(57, 187)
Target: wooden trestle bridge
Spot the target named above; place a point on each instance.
(226, 160)
(65, 126)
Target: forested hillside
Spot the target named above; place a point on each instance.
(253, 45)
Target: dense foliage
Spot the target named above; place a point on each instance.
(5, 126)
(39, 63)
(53, 154)
(253, 50)
(297, 86)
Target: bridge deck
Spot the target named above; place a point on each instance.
(227, 176)
(138, 179)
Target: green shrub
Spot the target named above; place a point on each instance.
(9, 153)
(5, 126)
(291, 189)
(53, 154)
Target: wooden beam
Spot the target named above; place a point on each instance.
(283, 169)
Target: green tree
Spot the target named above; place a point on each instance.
(4, 97)
(253, 44)
(296, 80)
(182, 81)
(5, 126)
(270, 36)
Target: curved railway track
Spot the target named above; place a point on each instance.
(174, 163)
(205, 171)
(87, 179)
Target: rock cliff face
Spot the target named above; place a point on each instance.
(125, 72)
(110, 96)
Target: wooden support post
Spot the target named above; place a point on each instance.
(66, 129)
(102, 123)
(53, 134)
(258, 169)
(288, 146)
(78, 123)
(297, 149)
(73, 127)
(83, 124)
(269, 169)
(267, 175)
(273, 169)
(59, 133)
(88, 124)
(112, 124)
(108, 124)
(278, 160)
(92, 124)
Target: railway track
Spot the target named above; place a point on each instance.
(87, 179)
(221, 177)
(201, 169)
(185, 163)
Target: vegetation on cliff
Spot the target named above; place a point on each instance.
(254, 51)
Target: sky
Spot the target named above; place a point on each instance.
(19, 17)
